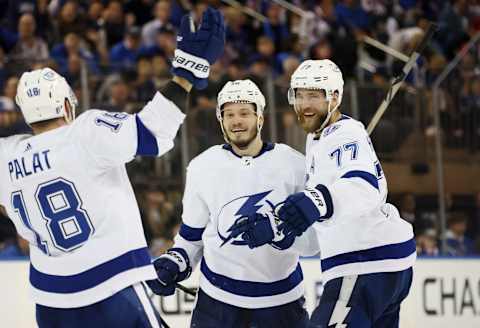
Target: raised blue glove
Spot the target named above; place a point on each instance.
(303, 209)
(196, 51)
(172, 267)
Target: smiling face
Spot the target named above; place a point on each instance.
(312, 108)
(240, 123)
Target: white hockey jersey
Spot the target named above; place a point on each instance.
(364, 234)
(220, 188)
(68, 194)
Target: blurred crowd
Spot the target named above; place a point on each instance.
(116, 53)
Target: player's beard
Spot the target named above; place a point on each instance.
(243, 139)
(313, 123)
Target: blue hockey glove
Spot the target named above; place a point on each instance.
(255, 229)
(259, 229)
(303, 209)
(196, 51)
(172, 267)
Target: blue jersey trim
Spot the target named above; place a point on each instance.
(191, 234)
(370, 178)
(267, 146)
(387, 252)
(146, 141)
(88, 279)
(252, 288)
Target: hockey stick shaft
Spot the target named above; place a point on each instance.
(398, 81)
(189, 291)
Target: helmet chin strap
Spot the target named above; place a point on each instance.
(330, 111)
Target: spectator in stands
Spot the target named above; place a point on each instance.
(95, 35)
(158, 211)
(407, 208)
(119, 93)
(321, 50)
(123, 55)
(458, 244)
(164, 43)
(235, 71)
(276, 27)
(16, 250)
(141, 10)
(427, 243)
(10, 120)
(114, 22)
(265, 52)
(161, 70)
(29, 48)
(72, 46)
(203, 123)
(143, 86)
(162, 15)
(10, 89)
(351, 15)
(452, 26)
(70, 20)
(240, 35)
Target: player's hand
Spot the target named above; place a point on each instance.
(256, 230)
(303, 209)
(171, 268)
(196, 51)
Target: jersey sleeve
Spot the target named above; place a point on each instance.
(113, 139)
(195, 219)
(355, 189)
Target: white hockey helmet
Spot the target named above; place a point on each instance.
(317, 75)
(41, 96)
(240, 91)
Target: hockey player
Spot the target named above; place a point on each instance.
(239, 287)
(367, 251)
(66, 189)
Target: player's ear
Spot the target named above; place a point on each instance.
(261, 119)
(335, 98)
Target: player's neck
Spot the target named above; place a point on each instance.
(41, 127)
(253, 149)
(336, 115)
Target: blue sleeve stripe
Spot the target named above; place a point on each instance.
(146, 141)
(370, 178)
(386, 252)
(191, 234)
(88, 279)
(252, 288)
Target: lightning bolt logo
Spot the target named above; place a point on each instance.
(341, 310)
(249, 206)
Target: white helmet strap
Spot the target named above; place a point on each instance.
(329, 116)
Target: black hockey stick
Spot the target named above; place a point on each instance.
(398, 81)
(189, 291)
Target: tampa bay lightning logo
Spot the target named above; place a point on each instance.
(237, 208)
(49, 75)
(330, 129)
